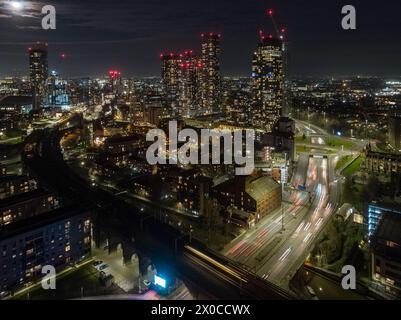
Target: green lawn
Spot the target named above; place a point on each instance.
(338, 142)
(300, 139)
(353, 167)
(343, 161)
(10, 141)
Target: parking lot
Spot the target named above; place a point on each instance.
(125, 275)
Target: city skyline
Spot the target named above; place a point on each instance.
(130, 36)
(200, 151)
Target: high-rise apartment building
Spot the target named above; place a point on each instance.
(38, 72)
(210, 80)
(171, 69)
(192, 84)
(267, 83)
(190, 73)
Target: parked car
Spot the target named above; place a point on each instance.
(97, 263)
(103, 266)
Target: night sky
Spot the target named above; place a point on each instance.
(130, 35)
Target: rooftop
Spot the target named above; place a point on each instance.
(44, 219)
(23, 197)
(16, 100)
(258, 188)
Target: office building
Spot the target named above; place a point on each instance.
(376, 211)
(386, 254)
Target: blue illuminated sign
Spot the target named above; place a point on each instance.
(160, 281)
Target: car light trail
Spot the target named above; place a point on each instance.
(306, 239)
(285, 254)
(215, 263)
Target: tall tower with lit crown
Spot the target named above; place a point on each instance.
(190, 68)
(38, 72)
(267, 83)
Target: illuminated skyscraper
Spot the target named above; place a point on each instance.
(171, 70)
(190, 72)
(210, 80)
(116, 83)
(38, 71)
(267, 83)
(56, 91)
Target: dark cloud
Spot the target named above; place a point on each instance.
(131, 33)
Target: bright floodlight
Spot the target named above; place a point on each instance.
(17, 5)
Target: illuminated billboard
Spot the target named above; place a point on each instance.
(160, 281)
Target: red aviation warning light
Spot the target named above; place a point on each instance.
(278, 33)
(63, 55)
(113, 74)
